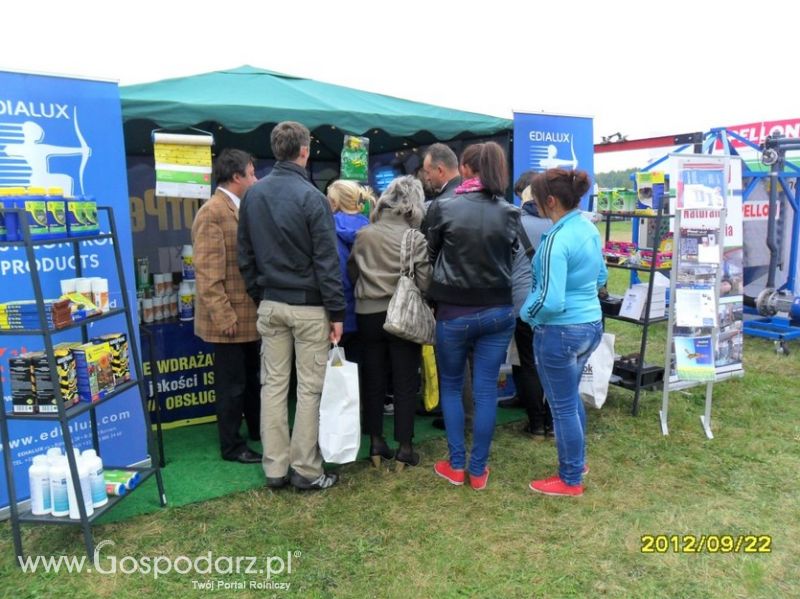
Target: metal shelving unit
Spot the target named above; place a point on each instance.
(642, 370)
(67, 413)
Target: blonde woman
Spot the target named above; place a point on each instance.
(348, 199)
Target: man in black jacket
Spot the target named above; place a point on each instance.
(440, 167)
(289, 261)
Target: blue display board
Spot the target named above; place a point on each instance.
(67, 133)
(543, 141)
(181, 371)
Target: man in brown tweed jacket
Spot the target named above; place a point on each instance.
(224, 314)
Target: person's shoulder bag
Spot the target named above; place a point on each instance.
(408, 316)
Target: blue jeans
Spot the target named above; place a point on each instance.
(488, 334)
(561, 352)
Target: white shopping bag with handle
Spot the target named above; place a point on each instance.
(339, 410)
(597, 373)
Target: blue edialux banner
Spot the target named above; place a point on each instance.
(67, 133)
(544, 141)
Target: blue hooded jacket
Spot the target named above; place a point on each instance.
(347, 225)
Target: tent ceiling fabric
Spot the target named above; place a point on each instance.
(241, 106)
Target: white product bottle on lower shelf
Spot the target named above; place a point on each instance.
(39, 479)
(97, 480)
(83, 478)
(59, 494)
(52, 454)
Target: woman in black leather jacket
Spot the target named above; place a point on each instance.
(471, 239)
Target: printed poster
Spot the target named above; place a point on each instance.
(183, 165)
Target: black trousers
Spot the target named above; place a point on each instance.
(238, 393)
(529, 387)
(353, 347)
(381, 350)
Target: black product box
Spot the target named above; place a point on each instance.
(66, 377)
(23, 386)
(611, 305)
(625, 368)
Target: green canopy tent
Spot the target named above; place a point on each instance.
(241, 106)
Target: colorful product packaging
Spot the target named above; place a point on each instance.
(66, 376)
(118, 342)
(94, 370)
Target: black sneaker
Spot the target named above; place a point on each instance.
(277, 482)
(512, 402)
(323, 481)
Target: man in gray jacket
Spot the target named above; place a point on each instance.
(289, 261)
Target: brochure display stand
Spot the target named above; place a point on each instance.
(695, 312)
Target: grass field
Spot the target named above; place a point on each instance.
(410, 534)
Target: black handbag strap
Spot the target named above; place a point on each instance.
(525, 240)
(407, 254)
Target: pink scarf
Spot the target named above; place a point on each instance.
(469, 185)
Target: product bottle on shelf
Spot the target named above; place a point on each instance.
(36, 213)
(14, 197)
(100, 293)
(58, 486)
(53, 454)
(39, 479)
(97, 481)
(91, 224)
(56, 213)
(3, 229)
(185, 302)
(83, 477)
(187, 258)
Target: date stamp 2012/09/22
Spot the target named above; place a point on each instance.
(693, 543)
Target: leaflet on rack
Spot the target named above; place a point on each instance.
(695, 306)
(700, 246)
(694, 358)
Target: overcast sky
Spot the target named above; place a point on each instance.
(639, 68)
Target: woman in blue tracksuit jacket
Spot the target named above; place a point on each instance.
(564, 311)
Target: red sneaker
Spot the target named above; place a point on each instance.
(479, 482)
(447, 472)
(556, 487)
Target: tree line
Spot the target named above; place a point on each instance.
(613, 179)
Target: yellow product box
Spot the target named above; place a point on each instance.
(118, 342)
(94, 370)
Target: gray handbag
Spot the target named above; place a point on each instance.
(408, 316)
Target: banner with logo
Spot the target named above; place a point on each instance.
(67, 133)
(544, 141)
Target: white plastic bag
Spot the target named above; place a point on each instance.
(597, 373)
(339, 411)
